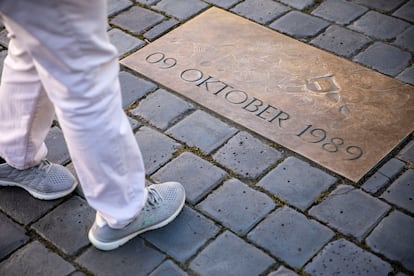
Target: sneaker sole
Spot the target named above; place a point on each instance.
(106, 246)
(39, 195)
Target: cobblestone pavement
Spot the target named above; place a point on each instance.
(311, 222)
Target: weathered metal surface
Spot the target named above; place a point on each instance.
(337, 113)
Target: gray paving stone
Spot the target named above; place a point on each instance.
(237, 206)
(11, 203)
(341, 41)
(379, 25)
(309, 26)
(181, 9)
(223, 3)
(4, 40)
(12, 236)
(407, 153)
(133, 258)
(392, 61)
(230, 255)
(124, 42)
(382, 5)
(407, 75)
(133, 88)
(375, 183)
(401, 192)
(298, 4)
(350, 211)
(263, 12)
(339, 11)
(35, 259)
(203, 131)
(135, 124)
(283, 271)
(406, 39)
(392, 168)
(406, 11)
(197, 176)
(161, 29)
(168, 268)
(183, 237)
(161, 108)
(247, 156)
(67, 226)
(394, 238)
(147, 2)
(156, 148)
(57, 150)
(136, 20)
(296, 182)
(290, 236)
(115, 6)
(342, 257)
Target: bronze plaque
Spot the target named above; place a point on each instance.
(339, 114)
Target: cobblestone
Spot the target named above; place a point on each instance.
(161, 108)
(392, 62)
(203, 131)
(161, 29)
(124, 42)
(115, 6)
(35, 259)
(131, 259)
(309, 27)
(182, 238)
(381, 5)
(283, 271)
(342, 257)
(393, 238)
(407, 75)
(156, 148)
(67, 226)
(198, 176)
(57, 148)
(379, 25)
(296, 182)
(247, 156)
(11, 203)
(406, 39)
(263, 12)
(339, 11)
(133, 88)
(406, 11)
(298, 4)
(401, 192)
(375, 183)
(407, 153)
(168, 268)
(136, 20)
(290, 236)
(237, 206)
(341, 41)
(350, 211)
(181, 9)
(12, 236)
(230, 255)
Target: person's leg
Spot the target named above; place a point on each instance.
(79, 70)
(25, 119)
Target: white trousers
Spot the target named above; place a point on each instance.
(60, 61)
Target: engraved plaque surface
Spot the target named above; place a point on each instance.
(337, 113)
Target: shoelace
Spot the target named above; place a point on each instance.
(44, 165)
(154, 198)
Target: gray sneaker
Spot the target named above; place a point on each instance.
(45, 181)
(165, 201)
